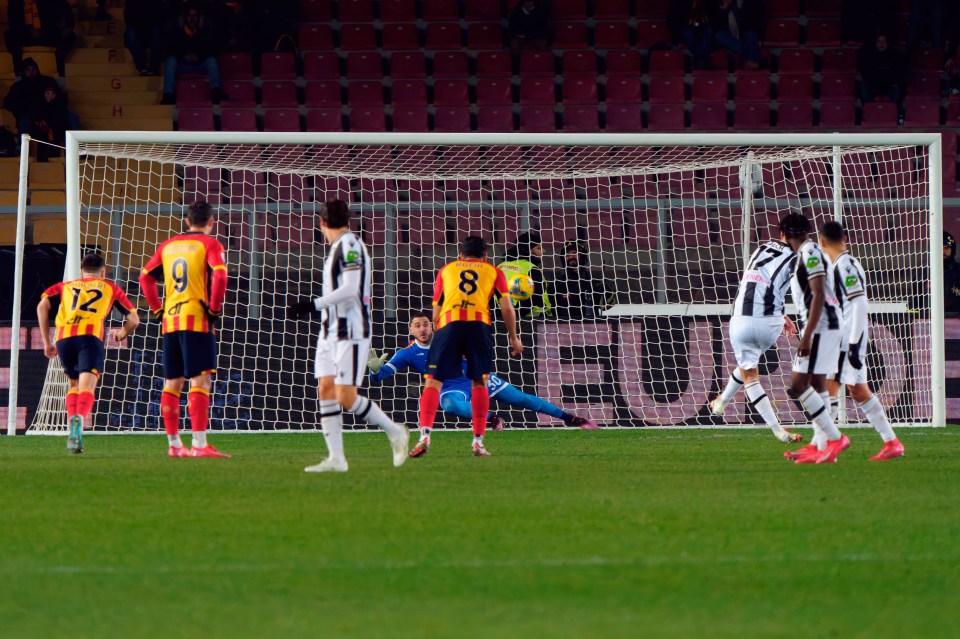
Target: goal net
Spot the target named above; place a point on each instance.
(643, 240)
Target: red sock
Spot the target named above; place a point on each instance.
(170, 411)
(198, 405)
(72, 403)
(480, 403)
(429, 404)
(85, 404)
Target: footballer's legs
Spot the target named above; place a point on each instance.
(74, 421)
(366, 410)
(480, 405)
(515, 397)
(331, 421)
(198, 406)
(750, 378)
(872, 409)
(170, 414)
(807, 387)
(429, 405)
(736, 381)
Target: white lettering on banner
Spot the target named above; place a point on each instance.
(556, 370)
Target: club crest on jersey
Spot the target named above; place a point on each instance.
(812, 261)
(352, 256)
(850, 281)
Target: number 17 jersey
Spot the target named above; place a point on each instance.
(765, 282)
(463, 290)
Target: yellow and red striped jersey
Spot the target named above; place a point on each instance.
(194, 278)
(85, 305)
(463, 290)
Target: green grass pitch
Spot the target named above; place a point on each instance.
(560, 534)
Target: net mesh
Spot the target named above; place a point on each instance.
(636, 328)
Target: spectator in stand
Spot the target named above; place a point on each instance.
(25, 95)
(529, 25)
(51, 120)
(578, 295)
(743, 30)
(925, 12)
(951, 275)
(192, 48)
(693, 24)
(882, 71)
(46, 23)
(235, 22)
(143, 34)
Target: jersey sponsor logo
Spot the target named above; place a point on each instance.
(812, 261)
(756, 277)
(353, 256)
(850, 281)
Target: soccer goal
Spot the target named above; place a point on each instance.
(635, 335)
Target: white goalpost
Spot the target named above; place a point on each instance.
(634, 335)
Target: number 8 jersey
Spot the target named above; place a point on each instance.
(463, 290)
(187, 263)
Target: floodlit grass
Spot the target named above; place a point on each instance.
(559, 534)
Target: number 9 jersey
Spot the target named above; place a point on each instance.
(194, 278)
(463, 290)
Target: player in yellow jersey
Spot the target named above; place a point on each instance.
(85, 304)
(461, 313)
(195, 283)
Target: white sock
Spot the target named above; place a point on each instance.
(812, 402)
(199, 439)
(425, 433)
(477, 439)
(369, 412)
(174, 440)
(819, 438)
(834, 408)
(759, 400)
(733, 385)
(873, 411)
(331, 420)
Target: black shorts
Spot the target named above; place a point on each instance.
(458, 341)
(81, 354)
(188, 354)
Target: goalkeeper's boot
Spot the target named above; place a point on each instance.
(422, 447)
(793, 455)
(790, 437)
(399, 443)
(178, 452)
(495, 423)
(479, 450)
(75, 437)
(891, 450)
(716, 406)
(834, 447)
(582, 422)
(208, 451)
(328, 465)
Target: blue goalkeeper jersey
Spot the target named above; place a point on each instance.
(415, 357)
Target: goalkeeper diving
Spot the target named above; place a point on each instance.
(455, 396)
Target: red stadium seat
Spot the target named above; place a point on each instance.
(278, 65)
(795, 62)
(315, 10)
(837, 115)
(709, 88)
(783, 8)
(359, 37)
(441, 10)
(355, 10)
(238, 95)
(920, 113)
(494, 92)
(619, 63)
(536, 92)
(195, 119)
(193, 93)
(667, 90)
(578, 90)
(238, 120)
(409, 93)
(315, 37)
(398, 11)
(427, 228)
(663, 117)
(579, 63)
(795, 116)
(580, 119)
(319, 65)
(366, 119)
(666, 63)
(408, 65)
(795, 87)
(495, 64)
(484, 35)
(708, 117)
(837, 86)
(411, 120)
(925, 84)
(495, 119)
(653, 9)
(839, 61)
(281, 120)
(323, 93)
(624, 91)
(364, 94)
(443, 36)
(322, 120)
(400, 37)
(537, 64)
(569, 10)
(751, 116)
(782, 33)
(752, 88)
(451, 64)
(823, 33)
(820, 8)
(650, 34)
(570, 35)
(611, 35)
(926, 60)
(451, 93)
(364, 65)
(235, 65)
(612, 10)
(451, 119)
(278, 94)
(483, 10)
(953, 113)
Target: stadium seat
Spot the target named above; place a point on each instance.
(494, 92)
(708, 117)
(495, 64)
(441, 10)
(795, 62)
(483, 10)
(451, 64)
(537, 92)
(278, 65)
(837, 115)
(235, 65)
(238, 95)
(612, 10)
(669, 63)
(611, 35)
(619, 63)
(754, 87)
(576, 63)
(484, 35)
(408, 65)
(364, 94)
(400, 37)
(451, 93)
(315, 10)
(451, 119)
(667, 90)
(323, 93)
(495, 118)
(200, 181)
(398, 11)
(427, 228)
(278, 94)
(368, 119)
(920, 113)
(537, 64)
(443, 36)
(315, 37)
(653, 9)
(837, 86)
(709, 88)
(569, 10)
(355, 10)
(361, 37)
(924, 84)
(322, 120)
(953, 113)
(581, 119)
(751, 116)
(321, 65)
(929, 59)
(411, 120)
(823, 33)
(838, 61)
(578, 90)
(238, 120)
(281, 120)
(292, 234)
(795, 87)
(557, 227)
(782, 33)
(477, 222)
(193, 93)
(795, 116)
(364, 65)
(783, 8)
(606, 229)
(195, 120)
(822, 8)
(409, 93)
(652, 34)
(663, 117)
(570, 35)
(623, 90)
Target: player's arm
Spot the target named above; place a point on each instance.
(43, 318)
(352, 282)
(152, 271)
(437, 296)
(814, 312)
(131, 319)
(218, 279)
(858, 326)
(507, 312)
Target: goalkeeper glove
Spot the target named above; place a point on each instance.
(375, 363)
(853, 352)
(299, 309)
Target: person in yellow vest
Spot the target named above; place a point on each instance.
(525, 258)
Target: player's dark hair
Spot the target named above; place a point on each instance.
(335, 213)
(418, 315)
(473, 246)
(199, 214)
(795, 225)
(92, 263)
(833, 232)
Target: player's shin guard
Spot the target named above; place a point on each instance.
(819, 414)
(366, 410)
(85, 403)
(71, 401)
(733, 385)
(198, 405)
(331, 420)
(429, 403)
(873, 410)
(761, 403)
(480, 403)
(170, 411)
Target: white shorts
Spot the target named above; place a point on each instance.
(823, 356)
(751, 337)
(344, 360)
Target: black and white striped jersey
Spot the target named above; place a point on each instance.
(350, 319)
(849, 282)
(813, 263)
(763, 288)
